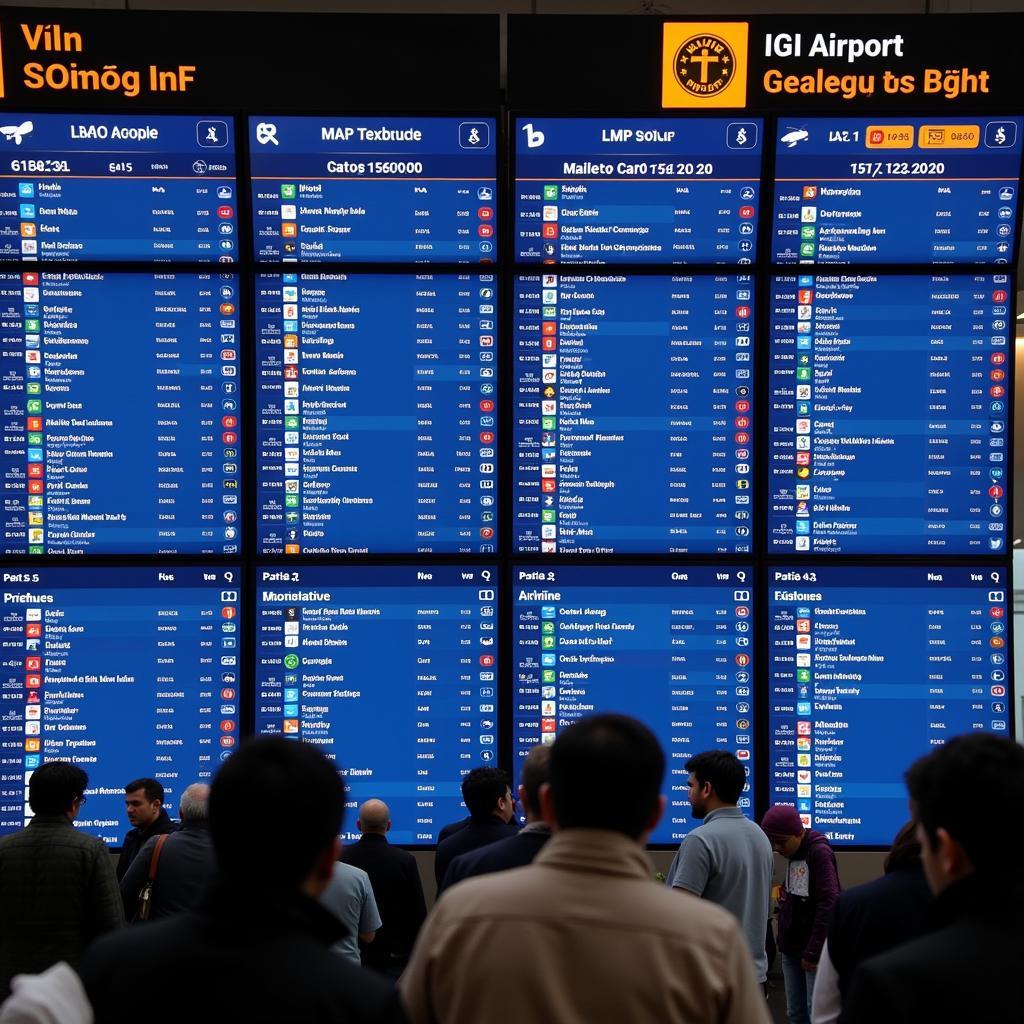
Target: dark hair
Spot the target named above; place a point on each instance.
(482, 788)
(154, 791)
(965, 786)
(606, 772)
(55, 786)
(723, 770)
(303, 794)
(534, 774)
(905, 849)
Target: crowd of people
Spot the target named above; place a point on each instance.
(558, 920)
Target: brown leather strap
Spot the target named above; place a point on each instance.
(155, 857)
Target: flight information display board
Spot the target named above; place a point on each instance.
(389, 669)
(633, 419)
(635, 190)
(881, 190)
(377, 412)
(670, 645)
(889, 414)
(121, 419)
(118, 187)
(126, 672)
(411, 189)
(870, 668)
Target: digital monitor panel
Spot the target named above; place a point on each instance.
(670, 645)
(392, 671)
(377, 412)
(126, 672)
(121, 414)
(634, 414)
(155, 187)
(636, 190)
(373, 190)
(908, 190)
(870, 668)
(889, 414)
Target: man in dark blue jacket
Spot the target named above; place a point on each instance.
(144, 802)
(491, 806)
(516, 850)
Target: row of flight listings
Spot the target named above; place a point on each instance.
(633, 397)
(393, 670)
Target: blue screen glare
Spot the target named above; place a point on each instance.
(618, 190)
(378, 412)
(392, 671)
(374, 190)
(118, 187)
(122, 415)
(878, 190)
(871, 668)
(634, 416)
(669, 645)
(127, 673)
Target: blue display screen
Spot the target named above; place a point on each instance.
(635, 190)
(870, 669)
(118, 187)
(121, 413)
(889, 414)
(633, 418)
(392, 671)
(882, 190)
(411, 189)
(378, 413)
(670, 645)
(127, 673)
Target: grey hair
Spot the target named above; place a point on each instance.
(195, 803)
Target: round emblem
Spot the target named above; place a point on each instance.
(704, 65)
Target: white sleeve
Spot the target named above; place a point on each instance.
(826, 1004)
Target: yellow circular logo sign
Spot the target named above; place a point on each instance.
(704, 64)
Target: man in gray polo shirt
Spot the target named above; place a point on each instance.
(349, 896)
(728, 859)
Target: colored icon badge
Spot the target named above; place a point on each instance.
(291, 661)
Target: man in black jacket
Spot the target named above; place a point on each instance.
(185, 866)
(259, 934)
(57, 886)
(521, 848)
(144, 801)
(397, 890)
(968, 801)
(489, 801)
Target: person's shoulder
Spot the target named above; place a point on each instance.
(76, 839)
(910, 959)
(487, 893)
(343, 868)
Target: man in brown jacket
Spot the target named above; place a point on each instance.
(58, 890)
(585, 933)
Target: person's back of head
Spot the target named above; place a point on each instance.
(304, 795)
(374, 817)
(194, 805)
(905, 850)
(482, 788)
(534, 774)
(55, 786)
(722, 770)
(968, 802)
(606, 773)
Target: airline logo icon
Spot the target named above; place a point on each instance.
(704, 64)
